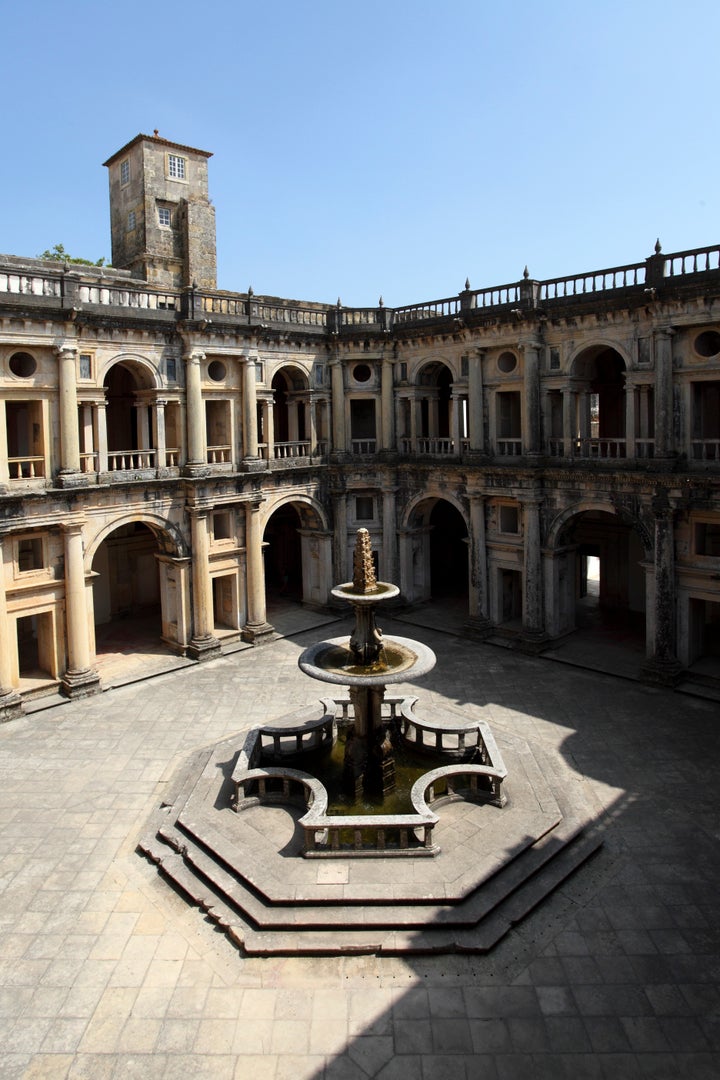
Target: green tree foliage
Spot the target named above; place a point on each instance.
(59, 254)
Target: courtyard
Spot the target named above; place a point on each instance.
(105, 971)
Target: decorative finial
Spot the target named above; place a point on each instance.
(339, 302)
(156, 133)
(381, 302)
(364, 580)
(658, 246)
(251, 291)
(526, 273)
(467, 284)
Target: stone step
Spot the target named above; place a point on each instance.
(303, 936)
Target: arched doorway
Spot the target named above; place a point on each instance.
(140, 596)
(435, 396)
(298, 560)
(434, 554)
(599, 584)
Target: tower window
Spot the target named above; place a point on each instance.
(124, 172)
(176, 167)
(164, 218)
(131, 221)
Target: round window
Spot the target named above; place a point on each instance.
(216, 370)
(507, 362)
(362, 373)
(23, 365)
(707, 343)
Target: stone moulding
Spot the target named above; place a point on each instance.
(404, 835)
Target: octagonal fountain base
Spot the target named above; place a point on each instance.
(238, 853)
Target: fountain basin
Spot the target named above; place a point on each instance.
(332, 661)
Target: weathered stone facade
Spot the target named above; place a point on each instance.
(159, 434)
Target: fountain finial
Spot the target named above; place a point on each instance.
(364, 580)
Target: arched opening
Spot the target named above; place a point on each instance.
(130, 436)
(435, 397)
(288, 407)
(600, 420)
(434, 558)
(601, 589)
(283, 555)
(127, 597)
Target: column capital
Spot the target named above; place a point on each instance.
(194, 356)
(69, 350)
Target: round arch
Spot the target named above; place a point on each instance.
(145, 373)
(434, 549)
(593, 348)
(168, 535)
(601, 506)
(298, 551)
(427, 371)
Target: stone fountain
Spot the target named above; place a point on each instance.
(241, 823)
(366, 663)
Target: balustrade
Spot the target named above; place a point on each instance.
(599, 448)
(556, 447)
(30, 284)
(509, 447)
(26, 468)
(706, 449)
(219, 455)
(296, 449)
(363, 447)
(172, 457)
(89, 462)
(123, 460)
(644, 448)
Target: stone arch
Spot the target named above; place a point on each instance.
(434, 537)
(298, 550)
(593, 348)
(145, 373)
(168, 535)
(289, 385)
(606, 506)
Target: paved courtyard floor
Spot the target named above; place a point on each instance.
(106, 972)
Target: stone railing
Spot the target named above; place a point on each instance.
(508, 447)
(219, 455)
(705, 449)
(75, 287)
(363, 447)
(284, 450)
(26, 468)
(125, 460)
(311, 729)
(599, 448)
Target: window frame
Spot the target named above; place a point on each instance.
(176, 167)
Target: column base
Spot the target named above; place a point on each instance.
(204, 648)
(80, 684)
(477, 626)
(661, 672)
(196, 470)
(256, 633)
(253, 465)
(72, 479)
(11, 706)
(532, 641)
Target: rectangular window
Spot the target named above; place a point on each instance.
(164, 216)
(364, 508)
(707, 539)
(85, 365)
(176, 167)
(131, 221)
(554, 359)
(508, 519)
(221, 525)
(464, 366)
(171, 369)
(124, 172)
(30, 555)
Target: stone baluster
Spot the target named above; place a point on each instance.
(80, 679)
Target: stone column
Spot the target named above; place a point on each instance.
(143, 432)
(339, 445)
(492, 420)
(475, 402)
(664, 446)
(414, 412)
(270, 430)
(197, 452)
(4, 465)
(10, 700)
(389, 536)
(257, 626)
(340, 506)
(663, 665)
(629, 418)
(531, 384)
(70, 474)
(203, 645)
(250, 435)
(311, 423)
(80, 679)
(159, 433)
(479, 611)
(455, 427)
(569, 421)
(388, 405)
(533, 622)
(102, 443)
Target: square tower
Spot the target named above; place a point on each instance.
(161, 218)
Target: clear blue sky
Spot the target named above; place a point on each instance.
(391, 147)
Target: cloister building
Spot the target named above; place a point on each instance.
(175, 451)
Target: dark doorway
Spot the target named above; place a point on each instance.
(283, 554)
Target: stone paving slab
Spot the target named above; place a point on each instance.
(105, 972)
